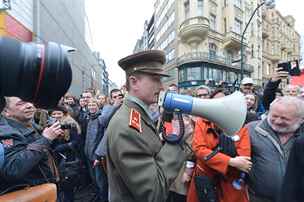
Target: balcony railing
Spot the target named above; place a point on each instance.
(195, 27)
(213, 58)
(275, 57)
(233, 40)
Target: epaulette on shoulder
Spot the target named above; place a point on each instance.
(135, 120)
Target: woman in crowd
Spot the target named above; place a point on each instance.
(66, 150)
(179, 189)
(251, 102)
(214, 174)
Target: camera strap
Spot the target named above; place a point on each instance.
(51, 162)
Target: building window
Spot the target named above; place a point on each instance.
(238, 3)
(205, 73)
(212, 51)
(187, 9)
(224, 76)
(216, 75)
(225, 25)
(225, 3)
(237, 26)
(252, 51)
(210, 74)
(212, 22)
(170, 56)
(229, 57)
(200, 7)
(267, 69)
(194, 73)
(232, 76)
(182, 75)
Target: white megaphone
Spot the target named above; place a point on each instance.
(228, 113)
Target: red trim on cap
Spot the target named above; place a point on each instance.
(42, 49)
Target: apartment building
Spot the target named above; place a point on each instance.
(281, 42)
(202, 40)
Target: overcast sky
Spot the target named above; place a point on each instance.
(117, 24)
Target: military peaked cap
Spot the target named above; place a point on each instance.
(150, 61)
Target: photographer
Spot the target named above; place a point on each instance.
(272, 87)
(27, 149)
(66, 151)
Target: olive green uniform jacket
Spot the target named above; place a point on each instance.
(140, 167)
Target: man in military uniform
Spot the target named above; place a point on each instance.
(27, 157)
(140, 166)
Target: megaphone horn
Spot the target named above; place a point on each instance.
(228, 112)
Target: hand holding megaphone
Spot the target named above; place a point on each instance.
(228, 113)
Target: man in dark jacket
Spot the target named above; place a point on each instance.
(28, 160)
(272, 87)
(93, 137)
(271, 142)
(106, 114)
(293, 186)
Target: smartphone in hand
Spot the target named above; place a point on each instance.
(292, 67)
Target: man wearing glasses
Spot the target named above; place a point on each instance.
(203, 92)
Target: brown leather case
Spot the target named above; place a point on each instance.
(39, 193)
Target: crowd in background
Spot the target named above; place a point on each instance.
(66, 144)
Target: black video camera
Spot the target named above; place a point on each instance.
(36, 73)
(65, 126)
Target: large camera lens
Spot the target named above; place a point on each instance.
(36, 73)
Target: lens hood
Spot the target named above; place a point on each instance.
(36, 73)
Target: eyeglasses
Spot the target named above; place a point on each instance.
(202, 95)
(118, 96)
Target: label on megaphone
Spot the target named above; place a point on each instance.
(175, 102)
(161, 98)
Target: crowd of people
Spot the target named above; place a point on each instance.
(115, 144)
(61, 145)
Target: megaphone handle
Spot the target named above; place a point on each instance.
(174, 139)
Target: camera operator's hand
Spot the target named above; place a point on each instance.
(242, 163)
(53, 131)
(278, 74)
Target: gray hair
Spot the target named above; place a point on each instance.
(290, 101)
(204, 87)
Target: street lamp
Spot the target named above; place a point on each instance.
(269, 4)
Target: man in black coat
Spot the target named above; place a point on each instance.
(26, 148)
(293, 186)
